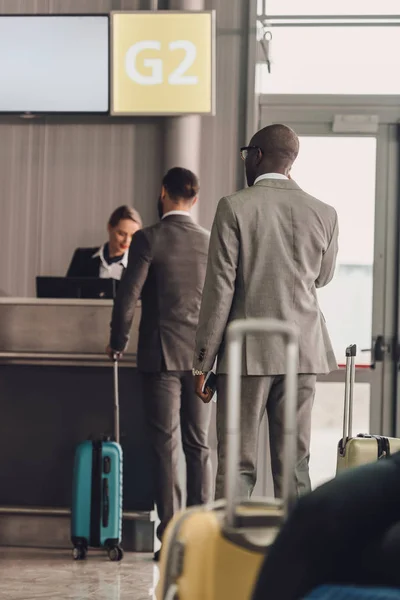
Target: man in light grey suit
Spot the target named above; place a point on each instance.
(271, 246)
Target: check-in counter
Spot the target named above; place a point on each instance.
(56, 389)
(62, 332)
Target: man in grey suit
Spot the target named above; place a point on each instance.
(166, 267)
(271, 246)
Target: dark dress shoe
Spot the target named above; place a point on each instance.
(156, 557)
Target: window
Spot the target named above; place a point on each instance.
(332, 60)
(328, 7)
(322, 169)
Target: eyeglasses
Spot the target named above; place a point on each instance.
(244, 151)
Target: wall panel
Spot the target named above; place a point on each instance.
(88, 171)
(221, 169)
(24, 6)
(19, 207)
(61, 177)
(60, 181)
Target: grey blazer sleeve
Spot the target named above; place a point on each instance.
(219, 286)
(129, 291)
(329, 259)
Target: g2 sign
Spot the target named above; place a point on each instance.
(178, 75)
(162, 63)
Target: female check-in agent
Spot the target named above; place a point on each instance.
(111, 259)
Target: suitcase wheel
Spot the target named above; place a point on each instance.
(115, 554)
(79, 553)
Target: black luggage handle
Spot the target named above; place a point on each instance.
(351, 353)
(105, 503)
(116, 399)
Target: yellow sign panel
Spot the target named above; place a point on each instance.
(162, 63)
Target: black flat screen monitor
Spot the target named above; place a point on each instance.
(76, 287)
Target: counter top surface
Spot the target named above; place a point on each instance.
(55, 302)
(34, 330)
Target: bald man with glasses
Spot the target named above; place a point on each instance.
(271, 246)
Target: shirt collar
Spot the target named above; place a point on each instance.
(185, 213)
(270, 176)
(100, 254)
(124, 260)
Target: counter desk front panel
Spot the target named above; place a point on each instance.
(46, 411)
(56, 389)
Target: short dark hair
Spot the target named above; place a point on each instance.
(181, 184)
(125, 212)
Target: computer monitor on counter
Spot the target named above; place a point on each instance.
(76, 287)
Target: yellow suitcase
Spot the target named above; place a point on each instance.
(363, 448)
(214, 552)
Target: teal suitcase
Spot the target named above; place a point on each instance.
(96, 515)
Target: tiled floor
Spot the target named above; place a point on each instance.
(53, 575)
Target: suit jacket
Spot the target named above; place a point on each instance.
(271, 246)
(167, 265)
(83, 264)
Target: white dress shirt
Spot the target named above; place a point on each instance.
(185, 213)
(113, 270)
(270, 176)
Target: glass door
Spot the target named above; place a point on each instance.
(352, 173)
(329, 168)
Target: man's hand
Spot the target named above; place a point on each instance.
(198, 388)
(112, 354)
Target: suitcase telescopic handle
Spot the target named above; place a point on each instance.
(116, 398)
(236, 333)
(351, 353)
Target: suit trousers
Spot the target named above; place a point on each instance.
(260, 394)
(170, 402)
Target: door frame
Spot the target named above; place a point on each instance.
(314, 115)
